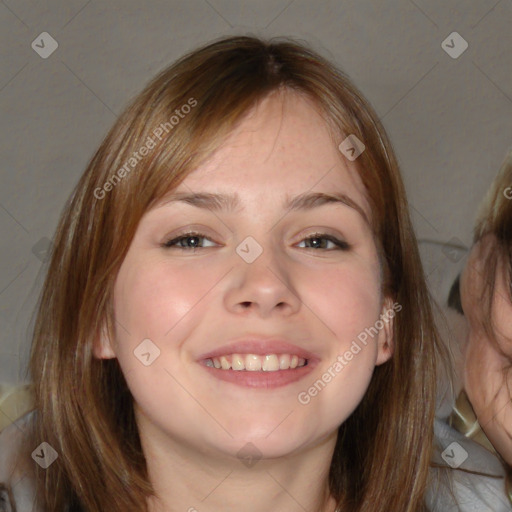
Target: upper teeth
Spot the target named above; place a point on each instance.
(254, 362)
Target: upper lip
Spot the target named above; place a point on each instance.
(259, 346)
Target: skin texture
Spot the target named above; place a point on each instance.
(189, 302)
(487, 370)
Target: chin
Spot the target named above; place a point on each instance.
(251, 448)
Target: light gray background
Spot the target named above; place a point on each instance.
(450, 119)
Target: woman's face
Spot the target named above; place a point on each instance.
(487, 373)
(260, 277)
(472, 286)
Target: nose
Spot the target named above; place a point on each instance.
(266, 286)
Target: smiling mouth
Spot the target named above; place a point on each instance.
(256, 363)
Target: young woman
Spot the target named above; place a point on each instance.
(480, 307)
(235, 314)
(486, 293)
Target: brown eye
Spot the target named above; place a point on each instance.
(316, 242)
(191, 240)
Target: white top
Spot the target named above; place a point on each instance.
(21, 485)
(474, 493)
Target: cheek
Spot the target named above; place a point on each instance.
(151, 298)
(502, 320)
(163, 304)
(348, 303)
(157, 303)
(348, 300)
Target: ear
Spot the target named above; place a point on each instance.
(102, 348)
(385, 339)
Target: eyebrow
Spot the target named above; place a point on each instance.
(231, 202)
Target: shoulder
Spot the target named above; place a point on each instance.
(454, 487)
(17, 487)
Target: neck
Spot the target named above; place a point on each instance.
(187, 479)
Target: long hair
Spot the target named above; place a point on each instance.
(84, 408)
(495, 218)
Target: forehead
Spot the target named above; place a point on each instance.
(282, 147)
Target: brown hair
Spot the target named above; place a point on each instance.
(85, 409)
(495, 218)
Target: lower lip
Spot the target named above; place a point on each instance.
(261, 379)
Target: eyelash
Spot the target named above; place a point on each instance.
(341, 244)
